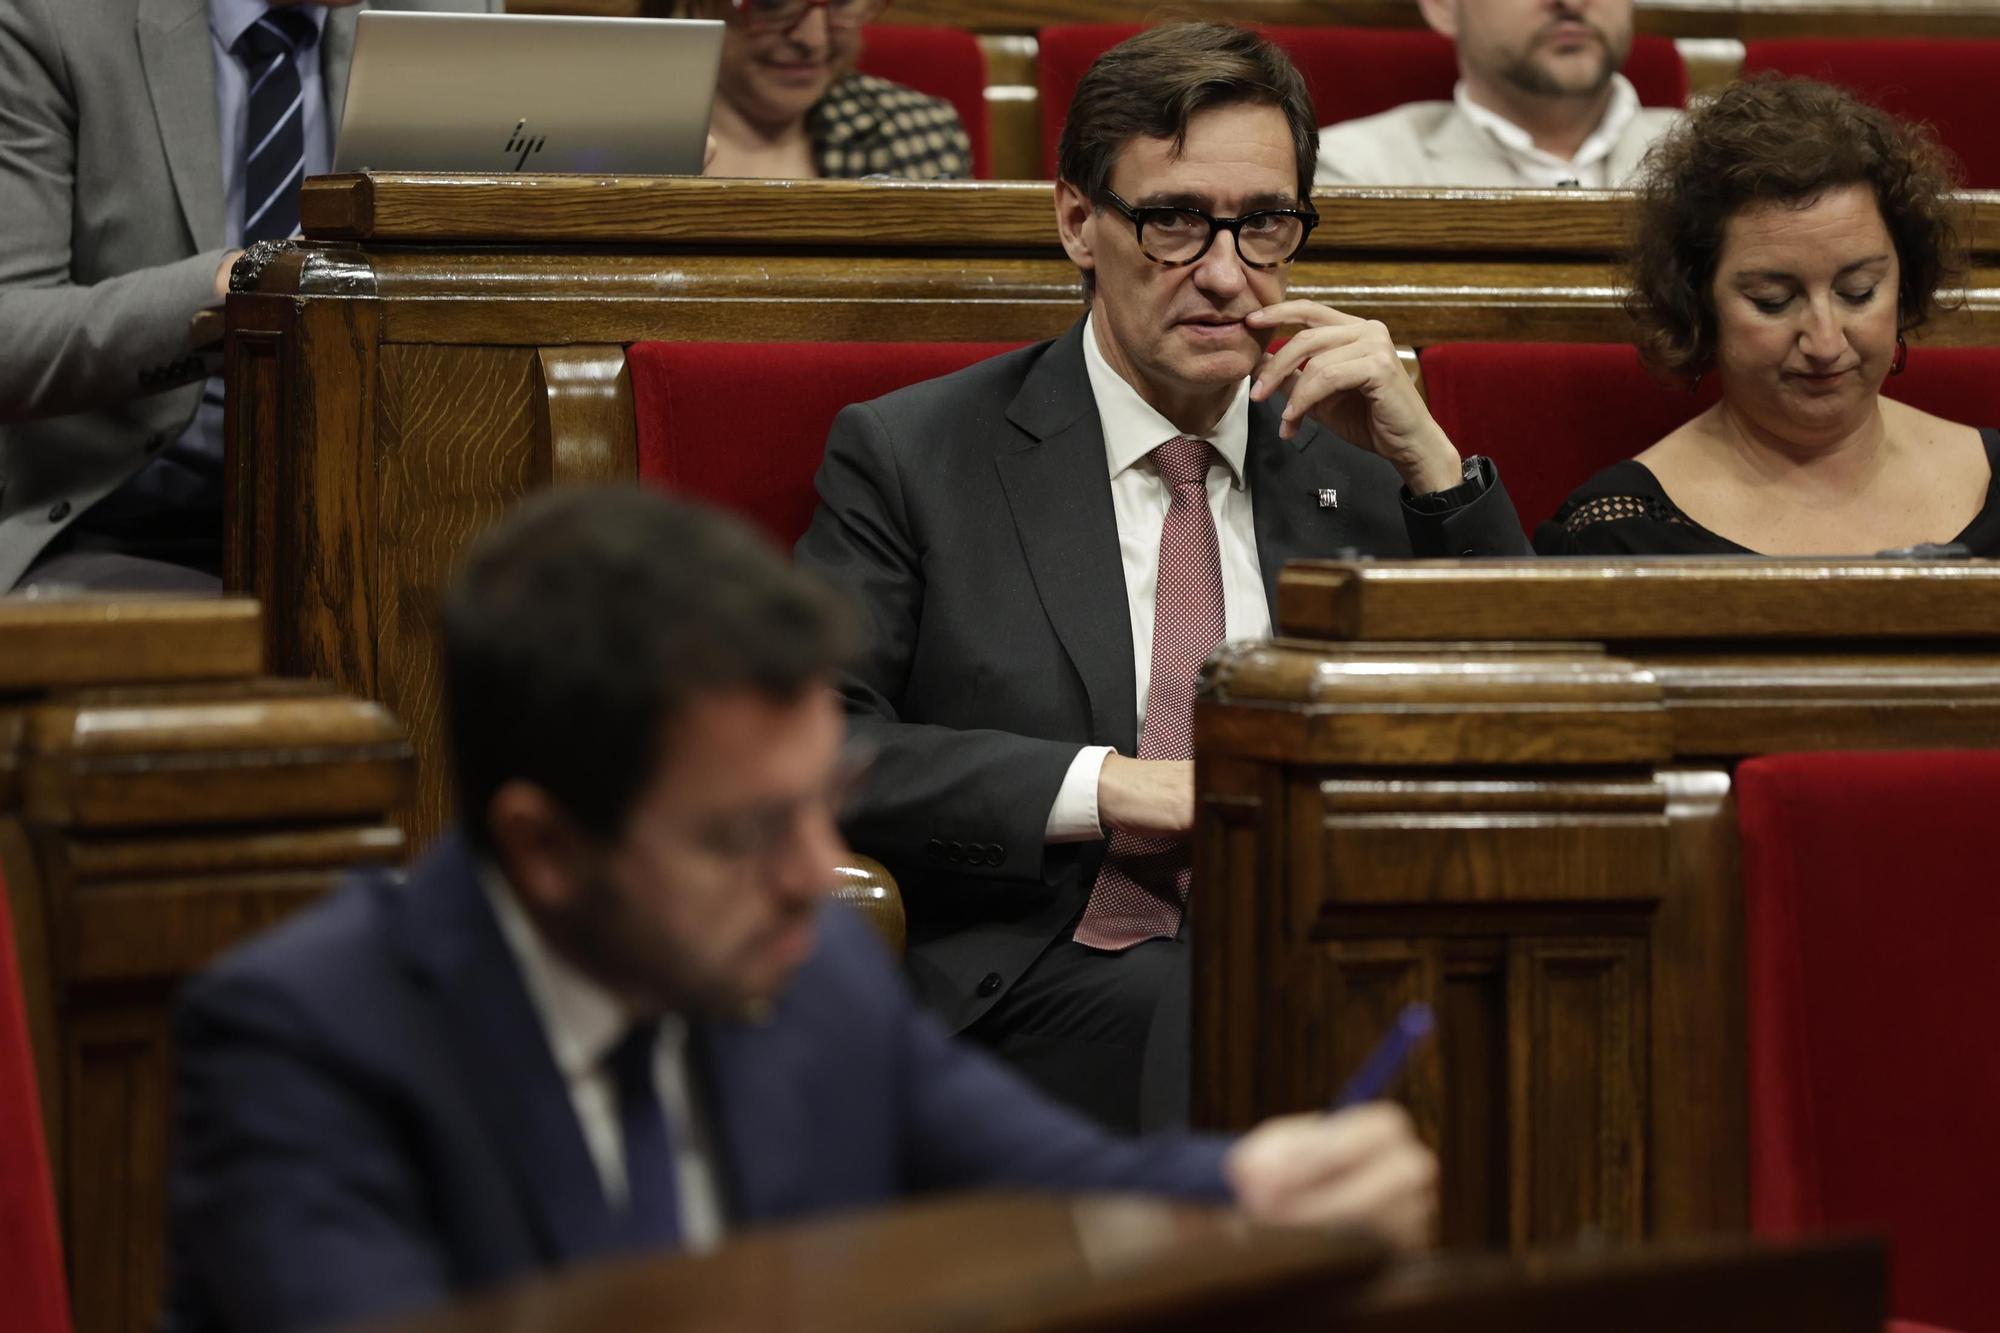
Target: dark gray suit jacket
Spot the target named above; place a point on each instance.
(971, 518)
(111, 230)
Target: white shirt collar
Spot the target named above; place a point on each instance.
(230, 19)
(1133, 428)
(1618, 113)
(582, 1020)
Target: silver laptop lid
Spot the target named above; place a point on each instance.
(524, 92)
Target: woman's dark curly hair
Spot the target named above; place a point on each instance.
(1786, 140)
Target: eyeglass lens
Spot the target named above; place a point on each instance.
(1173, 236)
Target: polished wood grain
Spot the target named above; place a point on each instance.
(1504, 787)
(160, 800)
(103, 640)
(1104, 1264)
(1673, 18)
(865, 885)
(1634, 600)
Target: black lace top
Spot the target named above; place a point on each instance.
(1624, 511)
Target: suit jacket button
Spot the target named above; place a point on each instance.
(935, 847)
(60, 512)
(996, 855)
(954, 852)
(989, 983)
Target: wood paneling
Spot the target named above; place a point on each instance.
(1672, 18)
(162, 801)
(1506, 790)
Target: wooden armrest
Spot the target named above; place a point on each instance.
(866, 885)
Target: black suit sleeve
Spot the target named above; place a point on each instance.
(972, 801)
(1473, 519)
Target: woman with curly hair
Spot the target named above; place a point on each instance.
(1787, 238)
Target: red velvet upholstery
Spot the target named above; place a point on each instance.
(33, 1298)
(743, 425)
(941, 62)
(1351, 71)
(1872, 910)
(1948, 82)
(1552, 414)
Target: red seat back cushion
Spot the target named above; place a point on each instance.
(1350, 71)
(939, 62)
(1872, 912)
(744, 425)
(1553, 414)
(33, 1298)
(1949, 82)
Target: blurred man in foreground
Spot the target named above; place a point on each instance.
(613, 1011)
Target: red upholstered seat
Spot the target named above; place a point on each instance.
(1948, 82)
(743, 425)
(33, 1298)
(1351, 71)
(940, 62)
(1552, 414)
(1872, 910)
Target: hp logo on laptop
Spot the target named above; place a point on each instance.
(520, 141)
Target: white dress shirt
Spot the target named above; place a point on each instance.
(1139, 499)
(1589, 169)
(583, 1023)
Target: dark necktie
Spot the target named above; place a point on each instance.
(1142, 887)
(652, 1196)
(274, 136)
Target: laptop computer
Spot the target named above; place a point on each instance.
(526, 92)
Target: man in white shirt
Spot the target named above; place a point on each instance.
(1046, 547)
(1539, 103)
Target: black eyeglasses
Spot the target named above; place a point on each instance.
(1177, 237)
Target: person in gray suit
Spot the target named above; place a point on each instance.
(1048, 544)
(133, 137)
(1539, 103)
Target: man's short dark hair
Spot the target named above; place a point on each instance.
(1151, 85)
(582, 626)
(1772, 139)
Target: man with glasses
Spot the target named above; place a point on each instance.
(613, 1013)
(789, 102)
(1048, 545)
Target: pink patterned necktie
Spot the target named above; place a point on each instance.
(1142, 887)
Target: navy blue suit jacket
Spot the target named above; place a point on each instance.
(368, 1118)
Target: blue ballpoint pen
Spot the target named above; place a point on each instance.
(1386, 1061)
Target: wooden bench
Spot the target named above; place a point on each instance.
(440, 346)
(160, 800)
(1505, 788)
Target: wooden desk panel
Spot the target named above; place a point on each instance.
(160, 800)
(1107, 1264)
(1505, 788)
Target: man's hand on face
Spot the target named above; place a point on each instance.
(1150, 797)
(1343, 373)
(1363, 1167)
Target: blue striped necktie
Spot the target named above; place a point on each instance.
(274, 137)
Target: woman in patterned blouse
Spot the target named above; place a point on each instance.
(789, 102)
